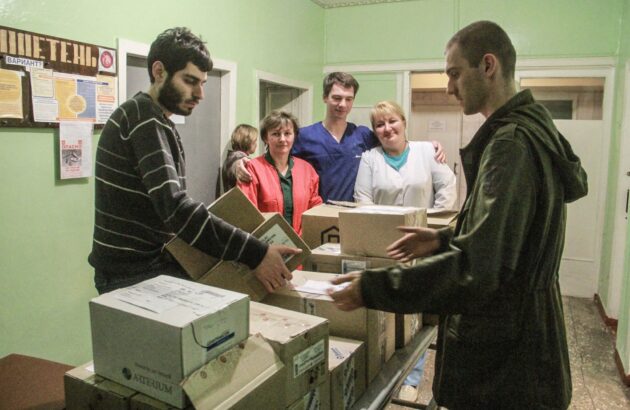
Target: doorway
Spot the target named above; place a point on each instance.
(279, 93)
(202, 132)
(578, 109)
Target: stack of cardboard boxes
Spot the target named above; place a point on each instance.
(363, 233)
(170, 343)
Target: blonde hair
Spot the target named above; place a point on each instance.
(384, 108)
(244, 137)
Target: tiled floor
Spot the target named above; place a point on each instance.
(596, 381)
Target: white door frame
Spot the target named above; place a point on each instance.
(564, 67)
(228, 71)
(608, 73)
(305, 98)
(618, 257)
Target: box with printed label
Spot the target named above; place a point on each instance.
(316, 399)
(86, 390)
(301, 342)
(307, 294)
(368, 230)
(248, 376)
(320, 224)
(346, 362)
(152, 335)
(234, 208)
(329, 258)
(239, 278)
(407, 326)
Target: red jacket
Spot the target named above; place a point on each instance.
(265, 193)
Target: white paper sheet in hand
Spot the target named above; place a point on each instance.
(319, 287)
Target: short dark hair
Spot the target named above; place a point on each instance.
(343, 79)
(276, 119)
(175, 48)
(483, 37)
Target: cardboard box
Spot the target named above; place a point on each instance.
(86, 390)
(239, 278)
(141, 401)
(346, 363)
(441, 218)
(375, 328)
(301, 342)
(320, 225)
(407, 326)
(369, 230)
(234, 208)
(248, 376)
(316, 399)
(328, 258)
(152, 335)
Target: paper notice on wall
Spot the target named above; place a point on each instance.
(42, 82)
(75, 149)
(106, 97)
(11, 94)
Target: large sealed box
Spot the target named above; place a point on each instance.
(307, 294)
(248, 376)
(239, 278)
(320, 224)
(152, 335)
(301, 342)
(234, 208)
(329, 258)
(369, 230)
(346, 362)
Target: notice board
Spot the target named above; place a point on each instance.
(46, 79)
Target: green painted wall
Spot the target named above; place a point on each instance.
(46, 225)
(418, 30)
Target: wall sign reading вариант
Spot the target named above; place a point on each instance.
(46, 79)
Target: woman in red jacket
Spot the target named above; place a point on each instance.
(280, 182)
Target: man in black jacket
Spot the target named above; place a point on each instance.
(494, 280)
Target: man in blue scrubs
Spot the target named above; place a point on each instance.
(334, 146)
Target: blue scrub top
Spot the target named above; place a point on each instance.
(336, 163)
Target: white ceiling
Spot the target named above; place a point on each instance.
(344, 3)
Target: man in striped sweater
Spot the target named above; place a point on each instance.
(141, 202)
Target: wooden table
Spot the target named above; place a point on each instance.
(31, 383)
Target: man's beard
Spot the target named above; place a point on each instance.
(170, 98)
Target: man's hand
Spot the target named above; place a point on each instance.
(416, 243)
(272, 272)
(348, 298)
(241, 172)
(440, 155)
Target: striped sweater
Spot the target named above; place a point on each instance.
(141, 201)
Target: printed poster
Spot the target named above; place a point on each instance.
(11, 94)
(75, 149)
